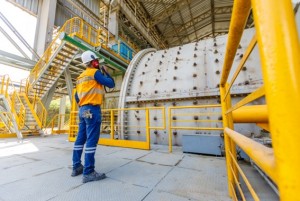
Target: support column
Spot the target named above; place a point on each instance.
(62, 112)
(45, 25)
(298, 21)
(46, 100)
(113, 21)
(69, 83)
(279, 53)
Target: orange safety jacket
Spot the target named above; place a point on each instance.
(89, 91)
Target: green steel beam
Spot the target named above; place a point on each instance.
(64, 36)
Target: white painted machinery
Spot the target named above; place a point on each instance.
(187, 75)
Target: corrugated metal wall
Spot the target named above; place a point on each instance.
(65, 10)
(31, 6)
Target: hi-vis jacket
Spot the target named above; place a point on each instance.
(89, 91)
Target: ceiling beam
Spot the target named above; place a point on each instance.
(17, 58)
(190, 23)
(169, 11)
(150, 34)
(192, 17)
(203, 26)
(86, 11)
(170, 20)
(207, 14)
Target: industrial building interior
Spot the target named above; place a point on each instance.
(205, 105)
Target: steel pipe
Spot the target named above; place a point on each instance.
(251, 114)
(260, 154)
(240, 13)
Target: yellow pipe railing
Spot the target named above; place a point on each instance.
(251, 114)
(279, 50)
(40, 110)
(111, 122)
(17, 108)
(58, 124)
(263, 156)
(240, 13)
(171, 120)
(242, 62)
(6, 125)
(253, 193)
(260, 92)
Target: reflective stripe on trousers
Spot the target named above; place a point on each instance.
(88, 133)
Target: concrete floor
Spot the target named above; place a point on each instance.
(39, 169)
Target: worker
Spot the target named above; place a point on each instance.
(89, 96)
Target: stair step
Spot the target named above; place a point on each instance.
(59, 63)
(54, 71)
(70, 46)
(64, 60)
(68, 51)
(65, 55)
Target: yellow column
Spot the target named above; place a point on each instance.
(147, 128)
(170, 129)
(280, 55)
(240, 13)
(112, 131)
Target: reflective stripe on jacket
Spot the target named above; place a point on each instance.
(89, 91)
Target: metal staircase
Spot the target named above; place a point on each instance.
(33, 124)
(26, 113)
(12, 110)
(48, 70)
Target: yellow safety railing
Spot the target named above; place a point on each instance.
(104, 39)
(17, 108)
(83, 30)
(39, 109)
(278, 43)
(58, 124)
(74, 27)
(110, 120)
(175, 117)
(6, 125)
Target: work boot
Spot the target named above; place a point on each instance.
(94, 176)
(77, 171)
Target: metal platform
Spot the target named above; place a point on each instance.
(39, 169)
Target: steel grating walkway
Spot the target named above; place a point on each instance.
(40, 168)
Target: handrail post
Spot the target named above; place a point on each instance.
(147, 127)
(240, 13)
(112, 131)
(52, 126)
(279, 53)
(59, 122)
(170, 129)
(164, 117)
(227, 140)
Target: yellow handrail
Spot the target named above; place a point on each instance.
(75, 27)
(6, 126)
(39, 109)
(173, 119)
(108, 118)
(279, 51)
(59, 124)
(13, 99)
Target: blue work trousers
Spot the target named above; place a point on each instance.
(89, 133)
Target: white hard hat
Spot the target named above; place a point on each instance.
(88, 56)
